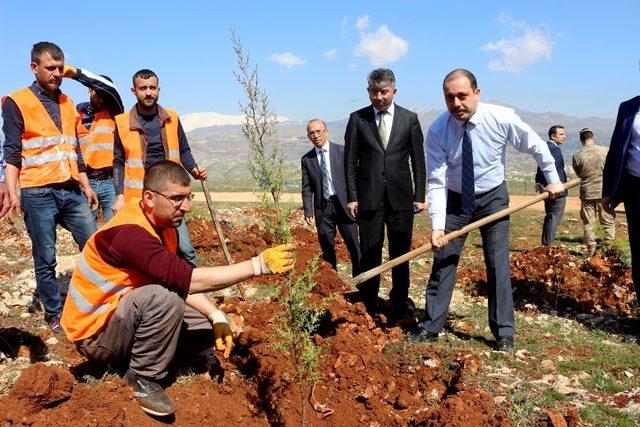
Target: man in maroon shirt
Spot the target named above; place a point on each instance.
(131, 298)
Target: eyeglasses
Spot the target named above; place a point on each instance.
(316, 132)
(177, 199)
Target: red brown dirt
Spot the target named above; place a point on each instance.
(551, 276)
(368, 374)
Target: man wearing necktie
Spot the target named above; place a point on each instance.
(465, 168)
(383, 144)
(324, 195)
(553, 208)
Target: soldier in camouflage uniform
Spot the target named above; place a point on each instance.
(588, 164)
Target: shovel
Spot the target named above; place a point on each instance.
(216, 222)
(363, 277)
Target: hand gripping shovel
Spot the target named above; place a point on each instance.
(363, 277)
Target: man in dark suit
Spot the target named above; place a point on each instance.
(383, 145)
(621, 178)
(324, 195)
(554, 208)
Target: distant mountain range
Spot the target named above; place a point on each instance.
(193, 121)
(221, 146)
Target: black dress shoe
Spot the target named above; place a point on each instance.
(504, 344)
(423, 336)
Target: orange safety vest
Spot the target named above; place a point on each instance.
(132, 144)
(96, 287)
(97, 143)
(48, 155)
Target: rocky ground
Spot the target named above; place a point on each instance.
(575, 361)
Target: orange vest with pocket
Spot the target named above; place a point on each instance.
(97, 143)
(96, 287)
(132, 145)
(48, 154)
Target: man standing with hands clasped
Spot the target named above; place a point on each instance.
(383, 145)
(324, 195)
(466, 151)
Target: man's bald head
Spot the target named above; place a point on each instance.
(461, 72)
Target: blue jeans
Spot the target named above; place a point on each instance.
(44, 208)
(106, 193)
(184, 244)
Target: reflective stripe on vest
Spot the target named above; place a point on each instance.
(97, 142)
(48, 153)
(96, 287)
(134, 166)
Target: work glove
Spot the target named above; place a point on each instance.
(276, 259)
(69, 71)
(221, 331)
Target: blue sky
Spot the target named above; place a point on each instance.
(575, 57)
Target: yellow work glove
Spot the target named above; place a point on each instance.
(276, 259)
(69, 71)
(221, 331)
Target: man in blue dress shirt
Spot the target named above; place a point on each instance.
(465, 171)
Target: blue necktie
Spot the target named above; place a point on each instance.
(468, 180)
(326, 187)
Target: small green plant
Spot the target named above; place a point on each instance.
(275, 219)
(259, 127)
(92, 381)
(266, 161)
(295, 328)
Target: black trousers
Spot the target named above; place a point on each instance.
(631, 199)
(495, 244)
(554, 210)
(399, 229)
(329, 216)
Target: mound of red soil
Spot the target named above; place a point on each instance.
(41, 387)
(368, 374)
(551, 276)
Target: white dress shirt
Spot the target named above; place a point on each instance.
(491, 128)
(388, 118)
(632, 160)
(327, 158)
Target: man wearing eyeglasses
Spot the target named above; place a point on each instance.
(324, 195)
(145, 135)
(132, 302)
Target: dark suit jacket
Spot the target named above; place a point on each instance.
(370, 169)
(557, 155)
(312, 179)
(618, 149)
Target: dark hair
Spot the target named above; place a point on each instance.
(160, 174)
(465, 73)
(144, 74)
(585, 134)
(554, 129)
(381, 77)
(51, 48)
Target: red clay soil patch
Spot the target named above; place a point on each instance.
(368, 374)
(551, 276)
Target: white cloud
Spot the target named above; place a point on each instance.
(526, 46)
(363, 22)
(286, 59)
(331, 54)
(382, 46)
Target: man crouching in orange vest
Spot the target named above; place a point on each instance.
(131, 298)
